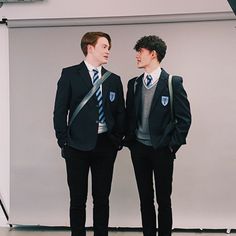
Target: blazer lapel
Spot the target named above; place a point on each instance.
(83, 73)
(138, 94)
(161, 84)
(105, 86)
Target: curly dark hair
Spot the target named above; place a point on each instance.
(152, 43)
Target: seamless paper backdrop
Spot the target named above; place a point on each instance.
(204, 177)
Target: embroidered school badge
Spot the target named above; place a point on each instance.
(164, 100)
(112, 96)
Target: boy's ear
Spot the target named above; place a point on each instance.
(154, 54)
(89, 48)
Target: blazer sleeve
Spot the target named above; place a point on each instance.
(182, 114)
(61, 108)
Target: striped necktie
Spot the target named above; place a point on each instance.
(148, 80)
(99, 97)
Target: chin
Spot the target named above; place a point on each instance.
(105, 62)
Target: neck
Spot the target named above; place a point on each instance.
(92, 61)
(151, 67)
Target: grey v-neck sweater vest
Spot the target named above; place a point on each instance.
(143, 133)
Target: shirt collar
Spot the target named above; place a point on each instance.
(91, 68)
(155, 76)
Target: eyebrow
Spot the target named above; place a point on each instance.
(107, 45)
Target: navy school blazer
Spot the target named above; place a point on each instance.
(163, 131)
(73, 85)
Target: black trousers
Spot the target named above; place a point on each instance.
(78, 163)
(148, 162)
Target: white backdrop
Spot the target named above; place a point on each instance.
(202, 52)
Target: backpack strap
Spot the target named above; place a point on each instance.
(170, 87)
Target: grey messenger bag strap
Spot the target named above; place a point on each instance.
(89, 95)
(170, 86)
(171, 96)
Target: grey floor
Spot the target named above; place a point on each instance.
(41, 231)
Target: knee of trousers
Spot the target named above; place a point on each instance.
(164, 203)
(78, 202)
(103, 202)
(146, 205)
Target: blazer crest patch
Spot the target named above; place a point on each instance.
(164, 100)
(112, 96)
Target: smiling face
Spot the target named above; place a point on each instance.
(98, 54)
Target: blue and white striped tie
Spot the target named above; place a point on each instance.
(148, 80)
(99, 97)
